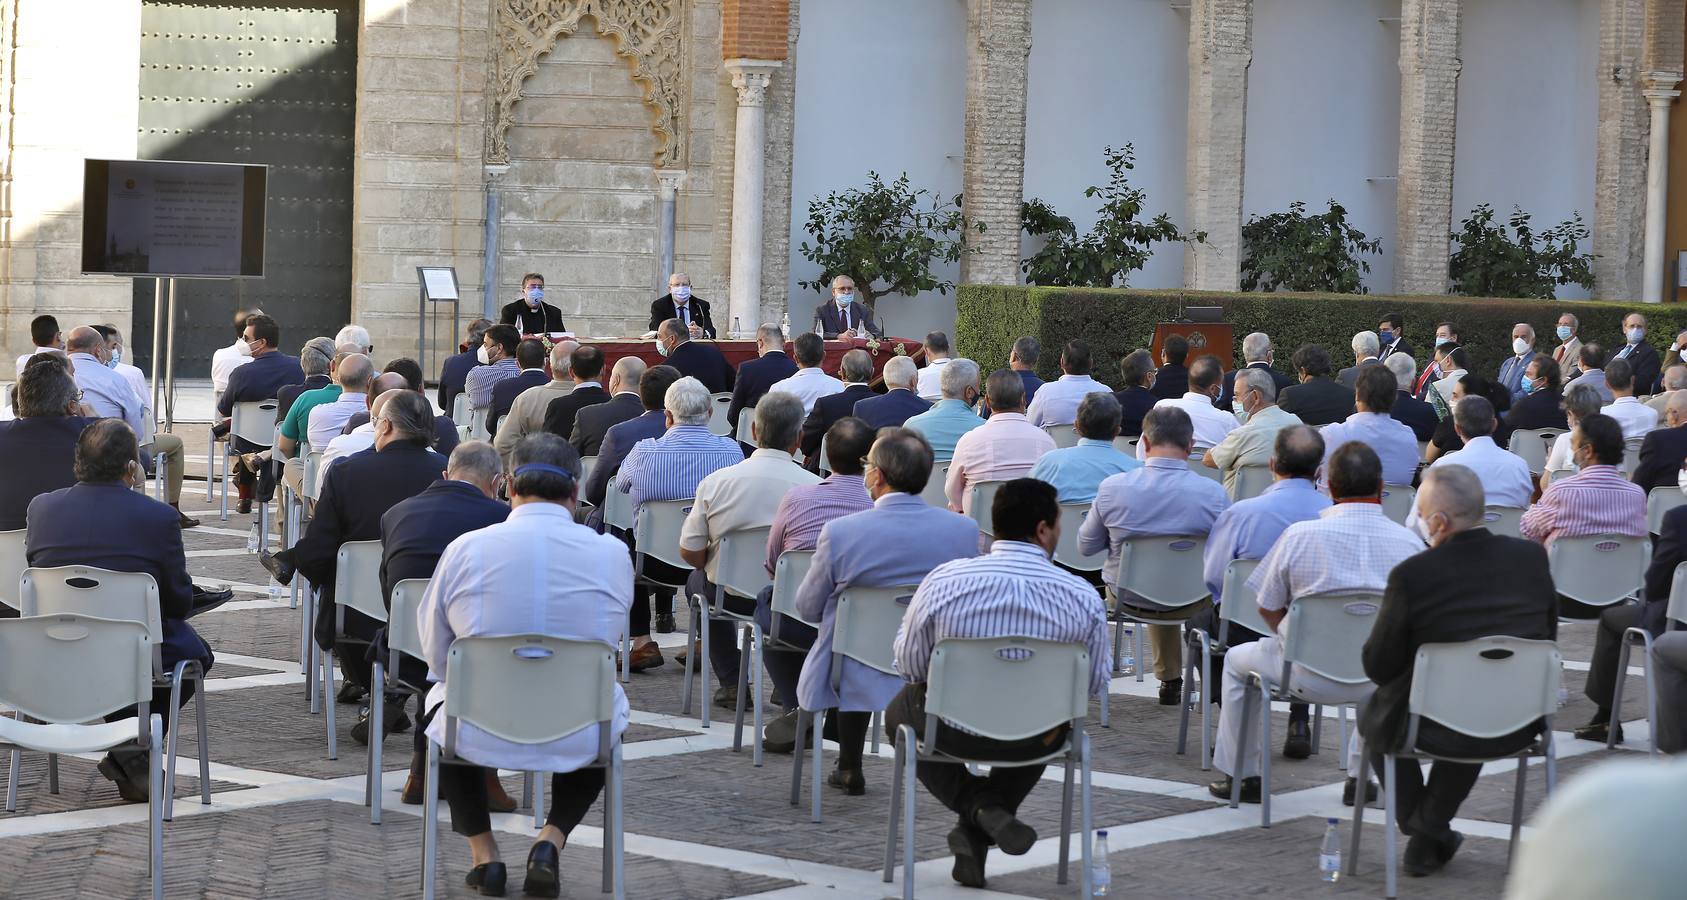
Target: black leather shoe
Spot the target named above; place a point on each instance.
(350, 693)
(393, 712)
(779, 735)
(542, 878)
(489, 878)
(969, 847)
(130, 788)
(1171, 692)
(1250, 789)
(1013, 836)
(243, 507)
(1298, 745)
(1598, 732)
(850, 781)
(186, 521)
(204, 601)
(665, 623)
(277, 565)
(726, 696)
(1349, 790)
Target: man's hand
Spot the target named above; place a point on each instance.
(848, 334)
(696, 331)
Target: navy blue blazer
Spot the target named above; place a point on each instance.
(454, 376)
(890, 409)
(505, 392)
(827, 411)
(285, 397)
(415, 532)
(1417, 415)
(38, 454)
(754, 378)
(356, 492)
(1171, 382)
(1646, 365)
(1134, 403)
(860, 316)
(559, 413)
(113, 527)
(261, 379)
(1031, 382)
(705, 363)
(618, 441)
(592, 423)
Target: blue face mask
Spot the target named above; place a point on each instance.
(1528, 386)
(1564, 332)
(844, 300)
(534, 295)
(116, 357)
(1441, 341)
(1385, 336)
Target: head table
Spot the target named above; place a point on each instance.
(741, 351)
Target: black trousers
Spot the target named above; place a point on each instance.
(572, 794)
(784, 667)
(1602, 672)
(951, 783)
(644, 593)
(1426, 809)
(134, 760)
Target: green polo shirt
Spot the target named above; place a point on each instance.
(295, 426)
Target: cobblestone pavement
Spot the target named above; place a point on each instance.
(701, 820)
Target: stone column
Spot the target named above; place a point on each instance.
(1660, 93)
(1220, 51)
(489, 302)
(1619, 188)
(1429, 80)
(993, 173)
(751, 78)
(668, 182)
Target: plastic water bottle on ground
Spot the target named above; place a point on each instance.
(252, 539)
(1101, 868)
(1329, 855)
(274, 589)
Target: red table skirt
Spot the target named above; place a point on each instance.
(739, 352)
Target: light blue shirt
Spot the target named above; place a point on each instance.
(671, 466)
(1393, 441)
(1057, 401)
(943, 425)
(1077, 472)
(106, 392)
(1162, 498)
(1249, 529)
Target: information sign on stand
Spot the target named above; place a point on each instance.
(438, 284)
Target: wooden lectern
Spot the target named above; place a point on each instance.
(1205, 339)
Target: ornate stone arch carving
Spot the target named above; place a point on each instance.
(647, 33)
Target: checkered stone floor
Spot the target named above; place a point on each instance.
(702, 821)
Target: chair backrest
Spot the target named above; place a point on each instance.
(1488, 687)
(656, 533)
(746, 417)
(1250, 481)
(1506, 520)
(460, 408)
(1660, 500)
(312, 477)
(1398, 500)
(866, 625)
(933, 494)
(1240, 605)
(618, 509)
(1202, 469)
(92, 591)
(1533, 445)
(587, 464)
(111, 659)
(824, 463)
(1126, 444)
(357, 578)
(1326, 633)
(254, 421)
(1599, 569)
(1066, 552)
(1631, 455)
(404, 632)
(1165, 570)
(788, 575)
(1064, 435)
(718, 405)
(741, 562)
(1008, 688)
(12, 563)
(490, 682)
(983, 496)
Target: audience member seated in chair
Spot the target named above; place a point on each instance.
(1006, 446)
(1318, 399)
(1078, 471)
(952, 417)
(1136, 398)
(1013, 591)
(527, 411)
(454, 372)
(1408, 410)
(809, 382)
(498, 363)
(109, 393)
(1251, 443)
(587, 366)
(592, 423)
(804, 510)
(414, 533)
(1596, 500)
(101, 521)
(487, 584)
(858, 551)
(741, 496)
(1663, 450)
(1350, 548)
(855, 370)
(755, 376)
(1504, 475)
(530, 356)
(1162, 498)
(898, 403)
(261, 379)
(1393, 442)
(1212, 425)
(1542, 402)
(1057, 401)
(38, 448)
(695, 359)
(1447, 594)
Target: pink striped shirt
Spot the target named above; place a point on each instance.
(805, 509)
(1596, 500)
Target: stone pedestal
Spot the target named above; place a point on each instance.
(750, 77)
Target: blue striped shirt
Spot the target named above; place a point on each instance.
(671, 466)
(1014, 591)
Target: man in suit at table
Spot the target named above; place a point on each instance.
(587, 365)
(592, 423)
(771, 366)
(530, 356)
(1257, 353)
(855, 370)
(843, 317)
(899, 402)
(1663, 450)
(101, 521)
(1445, 595)
(692, 312)
(703, 362)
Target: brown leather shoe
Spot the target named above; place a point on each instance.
(645, 658)
(412, 795)
(496, 799)
(696, 647)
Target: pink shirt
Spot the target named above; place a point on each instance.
(1006, 446)
(1596, 500)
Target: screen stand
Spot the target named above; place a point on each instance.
(157, 337)
(169, 362)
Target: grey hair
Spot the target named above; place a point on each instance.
(1474, 415)
(1365, 343)
(1574, 322)
(627, 372)
(1675, 378)
(901, 372)
(1005, 390)
(560, 356)
(476, 461)
(1098, 416)
(1135, 367)
(1256, 347)
(355, 334)
(956, 377)
(44, 390)
(672, 328)
(779, 418)
(1168, 425)
(411, 416)
(1027, 349)
(1582, 400)
(688, 401)
(355, 372)
(1256, 380)
(316, 356)
(1404, 367)
(770, 334)
(903, 458)
(1457, 495)
(1526, 327)
(856, 367)
(477, 331)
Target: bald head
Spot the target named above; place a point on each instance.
(355, 373)
(1450, 500)
(626, 374)
(1675, 412)
(381, 384)
(84, 339)
(378, 402)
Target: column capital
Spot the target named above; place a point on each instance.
(1660, 87)
(668, 182)
(494, 172)
(751, 77)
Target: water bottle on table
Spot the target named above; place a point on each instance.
(1101, 868)
(1329, 855)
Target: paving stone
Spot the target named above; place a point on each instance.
(81, 786)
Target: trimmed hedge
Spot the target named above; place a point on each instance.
(989, 318)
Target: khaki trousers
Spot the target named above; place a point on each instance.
(175, 463)
(1165, 640)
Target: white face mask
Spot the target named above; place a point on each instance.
(243, 348)
(480, 354)
(1424, 530)
(1681, 481)
(1519, 346)
(1241, 411)
(682, 293)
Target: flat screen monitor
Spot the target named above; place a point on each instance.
(167, 219)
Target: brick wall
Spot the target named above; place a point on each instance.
(755, 29)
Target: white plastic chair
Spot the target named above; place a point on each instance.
(718, 405)
(113, 665)
(460, 408)
(1066, 552)
(1007, 688)
(12, 563)
(1238, 609)
(1126, 444)
(311, 478)
(1251, 481)
(741, 571)
(1162, 570)
(1599, 569)
(1506, 520)
(933, 493)
(1533, 444)
(1674, 612)
(126, 597)
(617, 509)
(1631, 456)
(982, 497)
(252, 421)
(746, 418)
(864, 629)
(357, 585)
(1064, 435)
(1202, 469)
(788, 575)
(1660, 500)
(656, 536)
(1398, 500)
(490, 683)
(823, 463)
(1484, 688)
(404, 638)
(587, 464)
(1324, 634)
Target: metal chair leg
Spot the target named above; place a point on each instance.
(1136, 638)
(819, 764)
(1517, 807)
(1236, 769)
(1264, 754)
(377, 717)
(690, 660)
(909, 762)
(200, 712)
(1065, 822)
(900, 749)
(797, 755)
(743, 690)
(430, 821)
(707, 700)
(1617, 692)
(1352, 861)
(328, 701)
(1390, 778)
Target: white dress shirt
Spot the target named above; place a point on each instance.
(1057, 401)
(227, 360)
(1212, 425)
(808, 385)
(1504, 475)
(327, 420)
(536, 572)
(343, 445)
(24, 359)
(930, 387)
(1636, 418)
